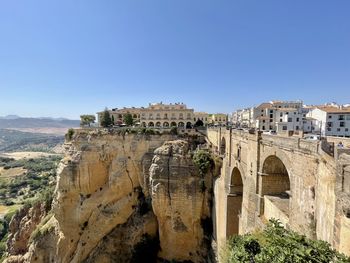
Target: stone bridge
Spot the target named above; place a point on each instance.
(287, 178)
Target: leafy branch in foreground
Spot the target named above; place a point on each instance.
(278, 245)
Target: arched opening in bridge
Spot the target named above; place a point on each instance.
(151, 124)
(222, 146)
(188, 125)
(158, 124)
(274, 189)
(234, 203)
(173, 124)
(181, 124)
(166, 124)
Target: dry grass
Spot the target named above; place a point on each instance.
(27, 155)
(3, 209)
(12, 172)
(54, 131)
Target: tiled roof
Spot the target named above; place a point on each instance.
(331, 109)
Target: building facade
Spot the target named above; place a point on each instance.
(331, 120)
(202, 116)
(167, 115)
(217, 119)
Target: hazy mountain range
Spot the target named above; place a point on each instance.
(14, 121)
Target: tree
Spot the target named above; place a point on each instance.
(106, 120)
(112, 118)
(87, 120)
(128, 120)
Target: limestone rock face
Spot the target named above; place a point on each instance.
(21, 227)
(117, 192)
(180, 201)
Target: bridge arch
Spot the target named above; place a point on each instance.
(222, 146)
(234, 203)
(275, 189)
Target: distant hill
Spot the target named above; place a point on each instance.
(11, 140)
(13, 121)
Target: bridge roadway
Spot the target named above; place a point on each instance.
(283, 177)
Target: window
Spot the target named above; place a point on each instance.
(270, 127)
(348, 117)
(284, 128)
(287, 112)
(262, 110)
(295, 113)
(263, 121)
(342, 124)
(271, 115)
(297, 119)
(329, 124)
(263, 127)
(281, 114)
(271, 120)
(341, 117)
(329, 116)
(281, 120)
(329, 129)
(262, 114)
(297, 127)
(338, 129)
(346, 129)
(271, 111)
(290, 119)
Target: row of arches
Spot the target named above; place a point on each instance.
(273, 181)
(167, 124)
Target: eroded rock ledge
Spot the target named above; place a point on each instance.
(120, 198)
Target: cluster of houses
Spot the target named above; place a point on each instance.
(281, 116)
(276, 116)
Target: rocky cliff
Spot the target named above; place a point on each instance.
(125, 198)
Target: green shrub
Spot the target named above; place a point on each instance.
(173, 131)
(69, 134)
(275, 244)
(203, 161)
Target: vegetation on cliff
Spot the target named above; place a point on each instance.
(203, 161)
(279, 245)
(35, 185)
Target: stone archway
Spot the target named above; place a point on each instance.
(143, 124)
(181, 124)
(166, 124)
(158, 124)
(234, 203)
(188, 125)
(274, 189)
(173, 124)
(223, 146)
(151, 124)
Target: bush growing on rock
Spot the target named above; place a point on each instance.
(277, 245)
(203, 161)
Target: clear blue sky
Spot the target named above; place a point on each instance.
(64, 57)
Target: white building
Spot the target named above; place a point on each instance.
(332, 120)
(278, 116)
